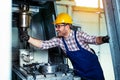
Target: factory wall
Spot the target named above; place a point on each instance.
(92, 23)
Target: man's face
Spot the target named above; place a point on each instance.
(61, 30)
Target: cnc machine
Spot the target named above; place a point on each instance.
(35, 18)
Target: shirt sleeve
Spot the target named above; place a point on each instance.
(87, 38)
(50, 43)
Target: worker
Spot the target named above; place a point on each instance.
(75, 45)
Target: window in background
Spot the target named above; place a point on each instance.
(89, 3)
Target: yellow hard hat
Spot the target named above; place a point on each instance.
(63, 18)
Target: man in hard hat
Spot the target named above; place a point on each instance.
(75, 45)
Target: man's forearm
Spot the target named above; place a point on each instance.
(99, 40)
(102, 39)
(35, 42)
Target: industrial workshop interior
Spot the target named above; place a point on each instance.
(22, 61)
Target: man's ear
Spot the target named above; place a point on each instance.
(67, 27)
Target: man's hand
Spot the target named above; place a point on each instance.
(105, 39)
(24, 36)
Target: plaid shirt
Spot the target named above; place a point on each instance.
(83, 38)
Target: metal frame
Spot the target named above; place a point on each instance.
(112, 11)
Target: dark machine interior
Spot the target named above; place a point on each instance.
(40, 26)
